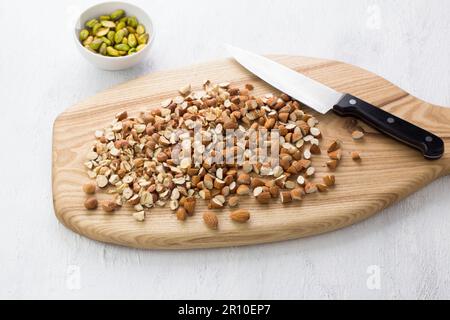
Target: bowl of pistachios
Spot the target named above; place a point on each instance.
(114, 35)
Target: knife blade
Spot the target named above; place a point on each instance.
(322, 99)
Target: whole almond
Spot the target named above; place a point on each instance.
(210, 219)
(91, 203)
(240, 215)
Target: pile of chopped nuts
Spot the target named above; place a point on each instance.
(133, 159)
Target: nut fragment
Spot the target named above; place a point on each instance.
(357, 135)
(91, 203)
(332, 164)
(329, 180)
(240, 215)
(181, 214)
(139, 216)
(109, 206)
(310, 188)
(210, 219)
(356, 156)
(285, 197)
(102, 181)
(233, 201)
(264, 197)
(243, 190)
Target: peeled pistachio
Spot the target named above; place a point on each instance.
(88, 41)
(143, 38)
(96, 27)
(124, 40)
(104, 18)
(132, 41)
(119, 36)
(132, 22)
(102, 32)
(107, 41)
(117, 14)
(108, 24)
(140, 47)
(122, 47)
(120, 26)
(112, 52)
(102, 49)
(140, 29)
(132, 50)
(95, 45)
(125, 32)
(123, 53)
(131, 29)
(84, 34)
(111, 35)
(91, 23)
(90, 49)
(124, 19)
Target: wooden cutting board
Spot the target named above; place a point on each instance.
(388, 172)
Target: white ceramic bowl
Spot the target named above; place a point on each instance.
(114, 63)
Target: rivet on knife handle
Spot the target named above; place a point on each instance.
(429, 144)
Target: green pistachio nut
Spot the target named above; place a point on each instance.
(107, 41)
(131, 29)
(95, 45)
(140, 29)
(111, 36)
(122, 47)
(120, 26)
(91, 23)
(116, 15)
(124, 40)
(132, 22)
(140, 47)
(108, 24)
(89, 48)
(132, 50)
(88, 41)
(143, 38)
(132, 41)
(102, 49)
(84, 34)
(112, 52)
(123, 53)
(118, 36)
(102, 32)
(96, 27)
(124, 19)
(104, 18)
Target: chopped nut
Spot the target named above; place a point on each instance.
(356, 155)
(285, 197)
(322, 187)
(301, 180)
(357, 135)
(181, 214)
(109, 206)
(233, 201)
(243, 190)
(329, 180)
(264, 197)
(297, 193)
(332, 164)
(335, 155)
(139, 216)
(310, 188)
(184, 91)
(102, 181)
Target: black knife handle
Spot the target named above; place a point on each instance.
(431, 145)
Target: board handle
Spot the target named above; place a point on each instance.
(431, 146)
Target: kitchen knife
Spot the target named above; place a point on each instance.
(322, 99)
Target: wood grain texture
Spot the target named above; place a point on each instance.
(388, 172)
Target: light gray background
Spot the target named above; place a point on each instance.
(41, 74)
